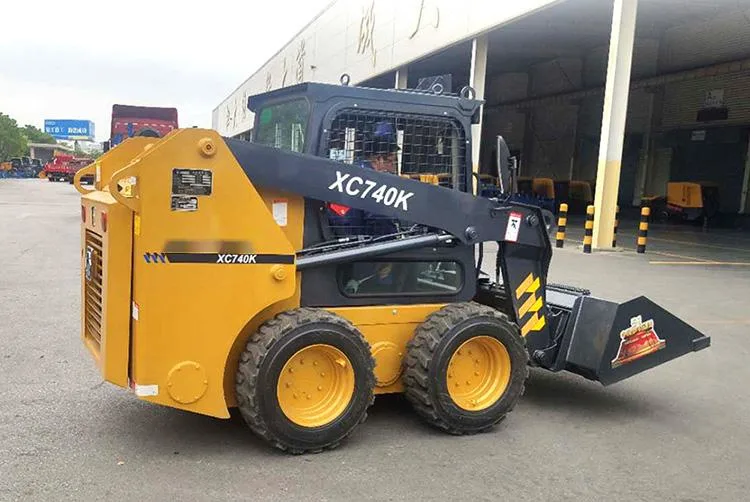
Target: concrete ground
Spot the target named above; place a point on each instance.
(679, 432)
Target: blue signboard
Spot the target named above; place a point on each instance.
(70, 129)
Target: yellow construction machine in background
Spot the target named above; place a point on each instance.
(686, 201)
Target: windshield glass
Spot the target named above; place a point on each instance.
(283, 125)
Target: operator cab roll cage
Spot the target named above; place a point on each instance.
(336, 123)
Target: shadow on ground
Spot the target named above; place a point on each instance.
(163, 431)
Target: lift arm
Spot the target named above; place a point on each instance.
(524, 246)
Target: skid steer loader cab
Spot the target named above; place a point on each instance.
(331, 259)
(424, 136)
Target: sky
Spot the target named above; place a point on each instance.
(74, 60)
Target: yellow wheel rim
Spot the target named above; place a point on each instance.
(478, 373)
(315, 386)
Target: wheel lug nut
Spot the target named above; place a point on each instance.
(291, 370)
(322, 374)
(476, 373)
(468, 382)
(315, 363)
(308, 396)
(320, 387)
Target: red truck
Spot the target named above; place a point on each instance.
(64, 167)
(150, 121)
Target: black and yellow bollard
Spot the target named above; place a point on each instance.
(617, 223)
(562, 222)
(643, 229)
(589, 232)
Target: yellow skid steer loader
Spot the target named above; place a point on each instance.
(298, 275)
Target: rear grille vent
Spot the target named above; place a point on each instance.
(93, 280)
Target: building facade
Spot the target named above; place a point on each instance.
(627, 94)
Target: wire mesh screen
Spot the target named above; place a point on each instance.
(430, 149)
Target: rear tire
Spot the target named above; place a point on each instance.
(296, 412)
(443, 385)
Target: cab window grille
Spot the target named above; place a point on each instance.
(431, 149)
(427, 148)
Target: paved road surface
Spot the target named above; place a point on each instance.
(679, 432)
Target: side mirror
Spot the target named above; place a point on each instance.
(506, 167)
(549, 221)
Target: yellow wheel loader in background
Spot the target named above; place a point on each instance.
(297, 276)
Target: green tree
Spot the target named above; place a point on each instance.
(35, 135)
(12, 142)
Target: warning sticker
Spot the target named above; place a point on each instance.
(514, 226)
(183, 203)
(192, 182)
(146, 390)
(279, 209)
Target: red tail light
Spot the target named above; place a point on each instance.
(338, 209)
(104, 221)
(83, 214)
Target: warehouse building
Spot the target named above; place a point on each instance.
(626, 94)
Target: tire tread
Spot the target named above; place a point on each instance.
(421, 350)
(248, 372)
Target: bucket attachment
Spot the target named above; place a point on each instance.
(608, 342)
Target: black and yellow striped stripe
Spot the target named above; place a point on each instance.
(643, 229)
(562, 222)
(614, 230)
(529, 318)
(589, 231)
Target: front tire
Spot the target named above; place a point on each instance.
(466, 368)
(305, 380)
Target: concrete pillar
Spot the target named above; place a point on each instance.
(643, 162)
(402, 78)
(616, 92)
(652, 167)
(477, 78)
(744, 207)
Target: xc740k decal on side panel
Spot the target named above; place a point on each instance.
(220, 258)
(356, 186)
